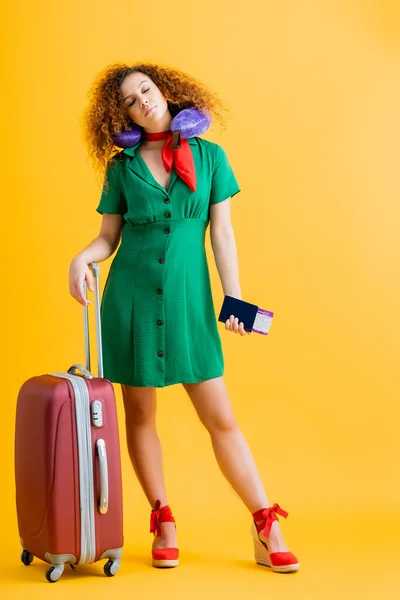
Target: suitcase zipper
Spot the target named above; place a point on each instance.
(86, 487)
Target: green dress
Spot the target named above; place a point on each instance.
(159, 325)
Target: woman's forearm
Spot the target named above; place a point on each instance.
(226, 259)
(98, 250)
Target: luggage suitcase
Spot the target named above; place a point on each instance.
(68, 466)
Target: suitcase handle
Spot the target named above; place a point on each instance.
(72, 371)
(102, 453)
(96, 270)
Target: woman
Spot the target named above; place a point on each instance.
(158, 319)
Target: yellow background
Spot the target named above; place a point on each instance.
(313, 90)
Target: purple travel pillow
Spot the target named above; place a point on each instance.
(190, 122)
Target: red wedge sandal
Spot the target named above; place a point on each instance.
(281, 562)
(162, 557)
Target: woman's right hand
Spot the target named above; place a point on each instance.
(78, 273)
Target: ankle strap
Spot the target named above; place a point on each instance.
(160, 515)
(267, 516)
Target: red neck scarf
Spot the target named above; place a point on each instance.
(182, 157)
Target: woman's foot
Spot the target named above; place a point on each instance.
(275, 540)
(164, 550)
(270, 548)
(167, 539)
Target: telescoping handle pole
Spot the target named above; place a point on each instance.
(96, 271)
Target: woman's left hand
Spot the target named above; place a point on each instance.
(232, 324)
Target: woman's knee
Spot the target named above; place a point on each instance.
(220, 423)
(139, 404)
(211, 401)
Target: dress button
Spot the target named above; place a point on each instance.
(159, 291)
(168, 214)
(167, 200)
(161, 353)
(162, 261)
(166, 231)
(159, 322)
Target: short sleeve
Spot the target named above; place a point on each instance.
(112, 200)
(224, 184)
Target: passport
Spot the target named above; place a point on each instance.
(252, 316)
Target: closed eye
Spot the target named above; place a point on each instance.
(133, 101)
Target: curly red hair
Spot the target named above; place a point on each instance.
(105, 115)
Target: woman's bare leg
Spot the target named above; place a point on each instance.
(211, 401)
(145, 451)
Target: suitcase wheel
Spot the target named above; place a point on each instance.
(26, 557)
(111, 568)
(54, 573)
